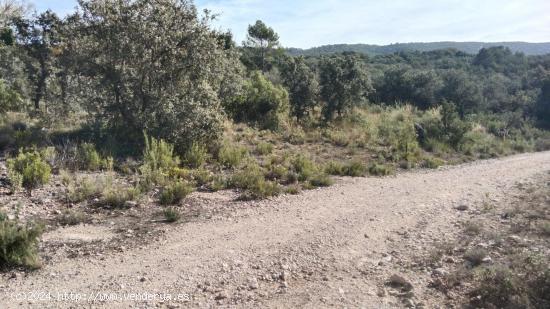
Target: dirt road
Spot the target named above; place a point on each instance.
(330, 247)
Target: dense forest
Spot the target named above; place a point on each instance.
(116, 71)
(530, 49)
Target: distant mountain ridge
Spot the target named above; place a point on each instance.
(467, 47)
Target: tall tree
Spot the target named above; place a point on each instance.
(38, 38)
(302, 85)
(462, 90)
(260, 41)
(543, 104)
(344, 83)
(152, 65)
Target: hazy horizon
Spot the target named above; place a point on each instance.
(326, 22)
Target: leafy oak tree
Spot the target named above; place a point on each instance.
(154, 66)
(302, 85)
(344, 83)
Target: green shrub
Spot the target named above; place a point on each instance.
(264, 148)
(320, 180)
(304, 167)
(481, 144)
(159, 155)
(431, 162)
(295, 136)
(202, 176)
(116, 197)
(71, 217)
(353, 169)
(378, 169)
(196, 155)
(50, 155)
(218, 183)
(231, 156)
(33, 170)
(397, 132)
(277, 172)
(293, 189)
(263, 103)
(87, 188)
(158, 161)
(247, 177)
(88, 157)
(16, 180)
(171, 215)
(339, 138)
(335, 168)
(501, 288)
(175, 193)
(18, 243)
(260, 190)
(251, 180)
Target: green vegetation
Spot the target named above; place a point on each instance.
(117, 196)
(171, 215)
(378, 169)
(466, 47)
(231, 156)
(264, 148)
(85, 188)
(76, 93)
(353, 169)
(18, 243)
(29, 170)
(196, 155)
(71, 217)
(174, 193)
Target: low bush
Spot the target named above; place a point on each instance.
(433, 163)
(158, 161)
(293, 189)
(263, 148)
(247, 177)
(501, 288)
(196, 155)
(202, 177)
(71, 217)
(117, 196)
(174, 193)
(475, 256)
(86, 188)
(377, 169)
(88, 157)
(171, 215)
(29, 170)
(338, 138)
(218, 183)
(353, 169)
(320, 180)
(397, 132)
(19, 243)
(231, 156)
(261, 190)
(304, 167)
(251, 180)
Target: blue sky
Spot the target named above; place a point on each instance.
(308, 23)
